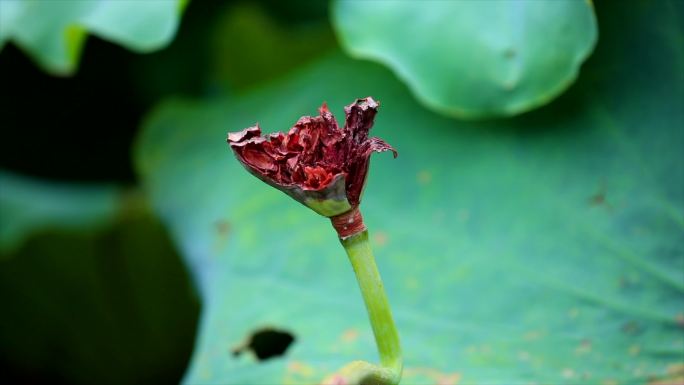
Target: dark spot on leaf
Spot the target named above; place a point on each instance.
(600, 199)
(509, 53)
(632, 328)
(223, 227)
(584, 347)
(679, 318)
(627, 283)
(266, 343)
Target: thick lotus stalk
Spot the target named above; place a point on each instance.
(324, 167)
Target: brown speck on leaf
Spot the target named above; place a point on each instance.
(533, 335)
(634, 350)
(679, 318)
(676, 369)
(600, 198)
(424, 177)
(422, 375)
(632, 328)
(222, 227)
(380, 238)
(350, 335)
(509, 53)
(300, 368)
(299, 372)
(626, 282)
(584, 347)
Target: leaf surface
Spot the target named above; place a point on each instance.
(473, 59)
(545, 248)
(53, 32)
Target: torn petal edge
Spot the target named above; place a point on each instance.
(236, 138)
(378, 145)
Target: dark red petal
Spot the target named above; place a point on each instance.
(379, 145)
(316, 178)
(255, 156)
(359, 118)
(276, 138)
(358, 166)
(292, 162)
(247, 133)
(291, 142)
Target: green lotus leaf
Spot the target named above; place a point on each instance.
(473, 59)
(545, 248)
(53, 32)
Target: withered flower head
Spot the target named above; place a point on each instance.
(317, 163)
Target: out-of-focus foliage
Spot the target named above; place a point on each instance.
(92, 293)
(473, 59)
(545, 248)
(28, 206)
(250, 47)
(54, 32)
(92, 290)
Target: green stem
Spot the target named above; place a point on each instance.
(386, 336)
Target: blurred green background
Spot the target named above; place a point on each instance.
(531, 230)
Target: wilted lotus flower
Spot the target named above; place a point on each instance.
(317, 163)
(324, 167)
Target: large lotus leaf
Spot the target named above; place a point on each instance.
(473, 59)
(541, 249)
(53, 32)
